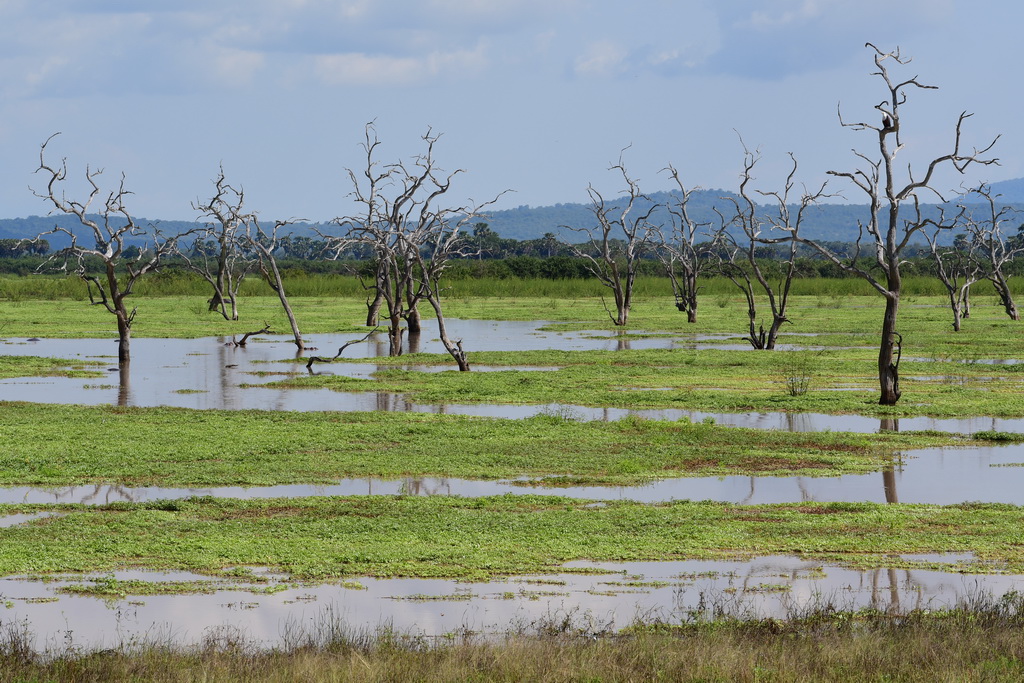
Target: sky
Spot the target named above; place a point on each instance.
(538, 97)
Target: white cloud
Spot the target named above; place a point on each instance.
(364, 69)
(780, 17)
(237, 67)
(604, 58)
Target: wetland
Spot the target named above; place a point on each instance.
(209, 485)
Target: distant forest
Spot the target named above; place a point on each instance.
(826, 222)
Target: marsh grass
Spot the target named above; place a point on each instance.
(330, 538)
(176, 447)
(980, 640)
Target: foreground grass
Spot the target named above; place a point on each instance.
(58, 445)
(962, 644)
(328, 538)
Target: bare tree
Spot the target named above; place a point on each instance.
(891, 223)
(992, 248)
(613, 248)
(412, 235)
(216, 253)
(265, 244)
(957, 268)
(106, 260)
(739, 260)
(685, 259)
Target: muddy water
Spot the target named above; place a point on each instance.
(768, 586)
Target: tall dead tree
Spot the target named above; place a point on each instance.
(104, 258)
(891, 223)
(984, 222)
(685, 259)
(612, 248)
(215, 254)
(763, 228)
(411, 233)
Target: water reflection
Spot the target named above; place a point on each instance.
(672, 591)
(889, 424)
(939, 476)
(206, 374)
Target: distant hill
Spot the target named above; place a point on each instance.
(829, 222)
(1009, 191)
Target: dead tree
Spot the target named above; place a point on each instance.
(891, 223)
(265, 244)
(613, 248)
(761, 228)
(992, 248)
(957, 268)
(685, 259)
(411, 234)
(380, 227)
(106, 260)
(215, 254)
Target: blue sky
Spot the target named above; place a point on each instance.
(535, 96)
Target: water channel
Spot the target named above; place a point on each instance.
(207, 373)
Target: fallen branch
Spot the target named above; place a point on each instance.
(245, 337)
(318, 359)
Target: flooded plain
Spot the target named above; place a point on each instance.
(209, 373)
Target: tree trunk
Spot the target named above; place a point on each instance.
(412, 320)
(278, 286)
(124, 335)
(395, 335)
(888, 352)
(454, 348)
(773, 333)
(1005, 297)
(373, 308)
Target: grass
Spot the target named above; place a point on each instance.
(34, 366)
(326, 538)
(839, 381)
(174, 447)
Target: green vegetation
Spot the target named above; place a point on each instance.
(324, 538)
(34, 366)
(709, 380)
(177, 447)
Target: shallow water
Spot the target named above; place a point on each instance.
(206, 374)
(763, 587)
(940, 476)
